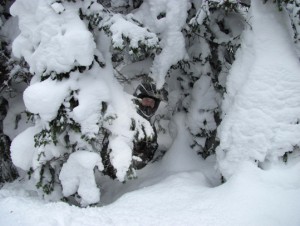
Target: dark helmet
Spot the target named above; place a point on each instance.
(148, 99)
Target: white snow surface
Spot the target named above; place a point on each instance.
(47, 39)
(261, 108)
(175, 191)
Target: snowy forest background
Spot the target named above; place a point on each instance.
(228, 130)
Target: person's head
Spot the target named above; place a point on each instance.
(148, 99)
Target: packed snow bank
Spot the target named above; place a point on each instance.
(261, 120)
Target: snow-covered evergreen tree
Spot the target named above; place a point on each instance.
(74, 98)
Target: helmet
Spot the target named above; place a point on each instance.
(148, 99)
(149, 89)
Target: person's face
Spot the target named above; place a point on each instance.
(148, 102)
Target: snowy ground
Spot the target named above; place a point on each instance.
(251, 198)
(173, 192)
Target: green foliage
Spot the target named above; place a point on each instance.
(61, 124)
(47, 179)
(228, 6)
